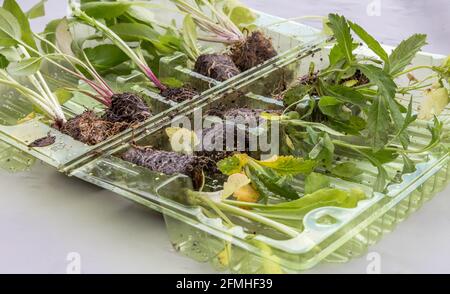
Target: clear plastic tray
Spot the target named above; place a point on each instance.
(287, 37)
(350, 233)
(329, 233)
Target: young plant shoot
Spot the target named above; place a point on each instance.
(87, 127)
(244, 53)
(352, 104)
(175, 94)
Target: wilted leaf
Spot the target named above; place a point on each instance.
(315, 182)
(25, 67)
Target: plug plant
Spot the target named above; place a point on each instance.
(245, 51)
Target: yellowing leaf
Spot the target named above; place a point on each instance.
(247, 194)
(27, 118)
(289, 165)
(234, 183)
(225, 255)
(435, 102)
(233, 165)
(182, 140)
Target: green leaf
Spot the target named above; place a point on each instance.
(346, 170)
(38, 10)
(341, 31)
(297, 209)
(132, 32)
(346, 94)
(190, 36)
(63, 95)
(142, 14)
(323, 151)
(378, 123)
(24, 24)
(4, 62)
(50, 35)
(330, 106)
(172, 82)
(9, 29)
(315, 182)
(231, 165)
(239, 13)
(105, 56)
(270, 183)
(290, 165)
(25, 67)
(105, 10)
(403, 55)
(382, 157)
(296, 94)
(408, 165)
(385, 83)
(370, 42)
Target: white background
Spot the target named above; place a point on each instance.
(44, 215)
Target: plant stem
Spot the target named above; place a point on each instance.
(413, 69)
(257, 218)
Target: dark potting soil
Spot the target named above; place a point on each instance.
(91, 129)
(219, 67)
(169, 163)
(179, 94)
(128, 108)
(256, 49)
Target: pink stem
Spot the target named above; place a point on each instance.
(154, 79)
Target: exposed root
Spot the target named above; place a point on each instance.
(128, 108)
(179, 94)
(169, 163)
(216, 66)
(90, 129)
(256, 49)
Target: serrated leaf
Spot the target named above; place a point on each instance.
(370, 41)
(346, 94)
(232, 165)
(378, 123)
(289, 165)
(341, 32)
(385, 83)
(403, 55)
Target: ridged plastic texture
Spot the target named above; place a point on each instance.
(328, 234)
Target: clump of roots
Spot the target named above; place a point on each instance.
(179, 94)
(167, 162)
(91, 129)
(128, 108)
(256, 49)
(216, 66)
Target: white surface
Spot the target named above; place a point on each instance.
(45, 215)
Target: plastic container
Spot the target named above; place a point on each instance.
(287, 37)
(327, 234)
